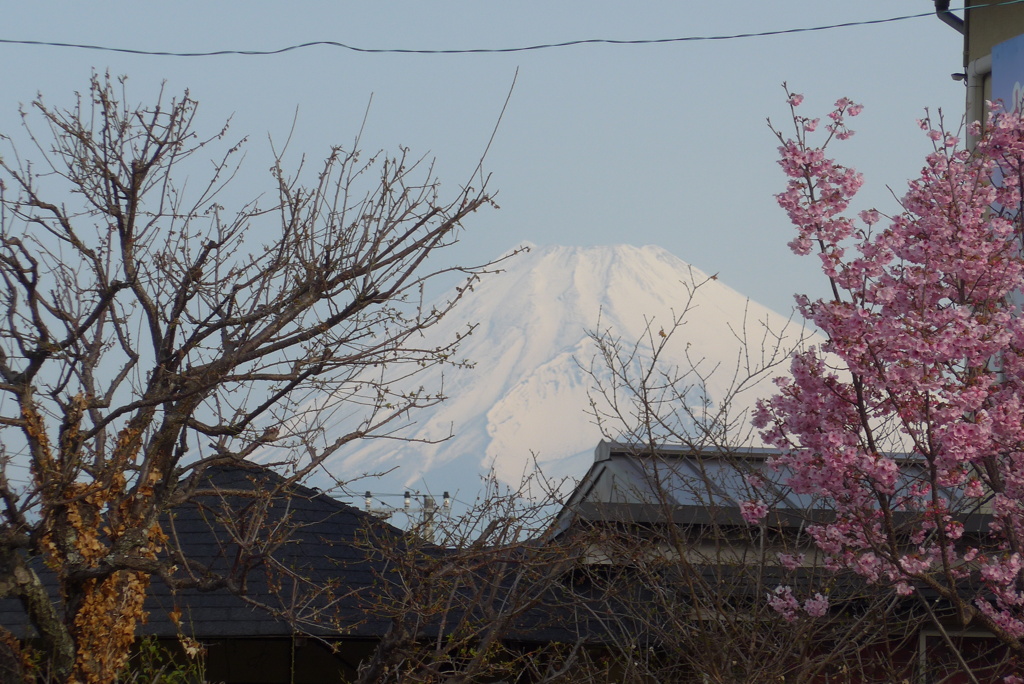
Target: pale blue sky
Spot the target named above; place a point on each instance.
(646, 144)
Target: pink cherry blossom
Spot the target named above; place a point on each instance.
(784, 603)
(816, 606)
(753, 511)
(907, 420)
(790, 561)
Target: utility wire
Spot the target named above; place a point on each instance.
(526, 48)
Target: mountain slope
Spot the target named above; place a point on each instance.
(528, 394)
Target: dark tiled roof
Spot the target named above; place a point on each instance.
(329, 545)
(307, 535)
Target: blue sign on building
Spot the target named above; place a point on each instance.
(1008, 72)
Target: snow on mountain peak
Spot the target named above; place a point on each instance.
(528, 395)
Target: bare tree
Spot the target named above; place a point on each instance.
(147, 332)
(478, 598)
(639, 396)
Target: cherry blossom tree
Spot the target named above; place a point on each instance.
(909, 419)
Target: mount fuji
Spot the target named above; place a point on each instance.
(526, 401)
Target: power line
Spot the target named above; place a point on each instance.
(526, 48)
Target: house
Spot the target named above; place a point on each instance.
(671, 556)
(296, 612)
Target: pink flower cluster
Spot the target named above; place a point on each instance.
(786, 604)
(911, 415)
(753, 512)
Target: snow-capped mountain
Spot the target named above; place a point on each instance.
(527, 397)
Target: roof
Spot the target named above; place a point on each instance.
(338, 552)
(312, 536)
(312, 543)
(636, 483)
(642, 484)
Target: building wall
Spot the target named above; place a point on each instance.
(989, 26)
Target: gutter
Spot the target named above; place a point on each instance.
(947, 17)
(975, 73)
(976, 109)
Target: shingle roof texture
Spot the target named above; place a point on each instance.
(319, 576)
